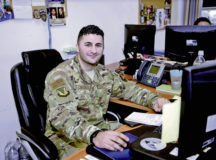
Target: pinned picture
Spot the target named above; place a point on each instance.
(53, 13)
(61, 12)
(160, 19)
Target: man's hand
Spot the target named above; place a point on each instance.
(111, 140)
(159, 104)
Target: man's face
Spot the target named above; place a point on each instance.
(90, 48)
(203, 23)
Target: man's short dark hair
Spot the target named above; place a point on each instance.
(90, 29)
(201, 19)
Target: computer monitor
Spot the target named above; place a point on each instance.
(198, 109)
(139, 39)
(182, 43)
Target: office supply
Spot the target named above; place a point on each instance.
(167, 88)
(170, 121)
(145, 118)
(150, 73)
(112, 155)
(182, 43)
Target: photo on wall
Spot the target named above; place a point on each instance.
(58, 12)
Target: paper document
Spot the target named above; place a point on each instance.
(145, 118)
(170, 120)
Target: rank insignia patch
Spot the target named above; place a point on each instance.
(63, 92)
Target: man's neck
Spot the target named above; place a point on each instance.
(86, 67)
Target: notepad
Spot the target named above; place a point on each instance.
(167, 88)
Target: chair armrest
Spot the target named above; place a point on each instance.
(112, 116)
(41, 142)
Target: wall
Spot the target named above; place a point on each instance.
(22, 35)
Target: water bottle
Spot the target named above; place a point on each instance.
(11, 151)
(7, 148)
(199, 59)
(23, 154)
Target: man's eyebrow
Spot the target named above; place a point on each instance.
(92, 43)
(99, 43)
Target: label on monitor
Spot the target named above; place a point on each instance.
(211, 121)
(191, 42)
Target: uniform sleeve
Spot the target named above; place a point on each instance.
(62, 114)
(130, 91)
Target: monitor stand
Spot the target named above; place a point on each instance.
(191, 57)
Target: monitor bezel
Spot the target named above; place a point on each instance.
(193, 119)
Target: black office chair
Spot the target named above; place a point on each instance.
(27, 80)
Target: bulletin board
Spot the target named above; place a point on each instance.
(34, 9)
(155, 12)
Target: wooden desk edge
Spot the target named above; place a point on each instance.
(131, 104)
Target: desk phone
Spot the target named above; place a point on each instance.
(150, 73)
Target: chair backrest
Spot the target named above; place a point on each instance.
(27, 80)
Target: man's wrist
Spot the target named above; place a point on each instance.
(94, 134)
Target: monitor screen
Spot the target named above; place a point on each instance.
(198, 109)
(139, 39)
(182, 43)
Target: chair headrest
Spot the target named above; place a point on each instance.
(38, 63)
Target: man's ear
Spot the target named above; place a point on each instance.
(77, 48)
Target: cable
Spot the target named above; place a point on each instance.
(48, 20)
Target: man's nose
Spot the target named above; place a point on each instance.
(93, 49)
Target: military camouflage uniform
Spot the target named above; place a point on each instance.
(76, 104)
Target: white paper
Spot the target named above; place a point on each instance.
(145, 118)
(38, 2)
(21, 2)
(22, 12)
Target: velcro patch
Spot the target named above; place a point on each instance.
(57, 83)
(63, 92)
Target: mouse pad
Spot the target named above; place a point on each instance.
(112, 155)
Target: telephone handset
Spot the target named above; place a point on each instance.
(150, 73)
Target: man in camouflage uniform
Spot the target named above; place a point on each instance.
(78, 92)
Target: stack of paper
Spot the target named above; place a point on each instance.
(145, 118)
(167, 88)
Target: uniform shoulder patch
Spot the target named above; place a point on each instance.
(63, 92)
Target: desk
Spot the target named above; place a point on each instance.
(82, 153)
(130, 104)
